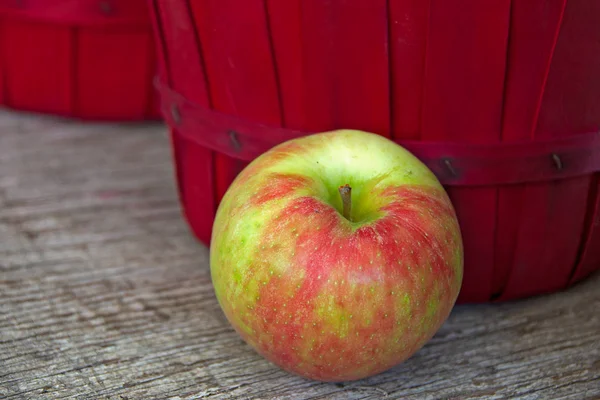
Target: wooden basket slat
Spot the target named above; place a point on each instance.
(408, 30)
(286, 37)
(464, 84)
(360, 63)
(184, 70)
(559, 210)
(531, 45)
(550, 230)
(240, 67)
(318, 68)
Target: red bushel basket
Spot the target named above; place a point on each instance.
(90, 59)
(500, 98)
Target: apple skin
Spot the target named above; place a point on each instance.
(321, 296)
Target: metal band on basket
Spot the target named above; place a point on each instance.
(455, 164)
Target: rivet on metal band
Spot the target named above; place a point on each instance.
(175, 114)
(557, 161)
(235, 142)
(449, 166)
(106, 7)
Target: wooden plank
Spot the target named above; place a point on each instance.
(106, 295)
(38, 66)
(113, 73)
(464, 83)
(240, 68)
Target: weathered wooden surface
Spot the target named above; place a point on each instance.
(104, 294)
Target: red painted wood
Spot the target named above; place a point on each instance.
(558, 210)
(346, 69)
(464, 83)
(571, 101)
(409, 25)
(361, 91)
(543, 246)
(286, 36)
(83, 59)
(572, 104)
(115, 86)
(530, 51)
(40, 79)
(318, 64)
(240, 66)
(184, 65)
(2, 67)
(589, 259)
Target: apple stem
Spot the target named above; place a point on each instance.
(346, 194)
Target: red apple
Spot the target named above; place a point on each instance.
(337, 255)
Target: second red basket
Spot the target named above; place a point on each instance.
(90, 59)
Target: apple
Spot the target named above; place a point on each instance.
(336, 255)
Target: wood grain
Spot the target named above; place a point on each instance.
(104, 294)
